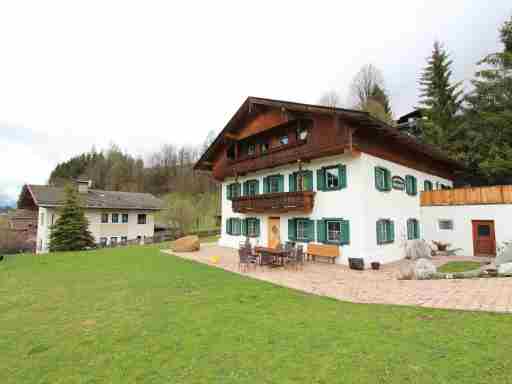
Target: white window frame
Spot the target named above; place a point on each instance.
(252, 228)
(127, 218)
(336, 222)
(301, 226)
(328, 186)
(273, 179)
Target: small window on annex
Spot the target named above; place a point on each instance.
(445, 224)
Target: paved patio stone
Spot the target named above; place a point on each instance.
(379, 287)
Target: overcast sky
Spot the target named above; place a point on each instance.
(74, 74)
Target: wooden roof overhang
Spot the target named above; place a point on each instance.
(363, 121)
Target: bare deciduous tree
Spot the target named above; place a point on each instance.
(330, 99)
(364, 84)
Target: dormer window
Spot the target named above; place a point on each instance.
(283, 140)
(264, 147)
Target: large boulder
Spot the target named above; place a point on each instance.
(417, 249)
(186, 244)
(505, 255)
(424, 269)
(505, 268)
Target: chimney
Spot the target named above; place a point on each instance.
(83, 185)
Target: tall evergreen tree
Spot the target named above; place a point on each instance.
(440, 100)
(488, 116)
(71, 231)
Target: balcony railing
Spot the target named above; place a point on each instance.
(301, 202)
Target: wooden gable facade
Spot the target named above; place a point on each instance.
(265, 133)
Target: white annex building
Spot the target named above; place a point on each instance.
(113, 216)
(313, 174)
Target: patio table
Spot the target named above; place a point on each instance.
(279, 255)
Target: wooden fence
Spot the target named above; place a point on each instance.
(500, 194)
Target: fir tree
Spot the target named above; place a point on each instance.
(71, 231)
(488, 116)
(440, 100)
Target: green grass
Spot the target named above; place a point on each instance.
(459, 266)
(135, 315)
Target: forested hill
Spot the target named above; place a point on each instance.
(166, 171)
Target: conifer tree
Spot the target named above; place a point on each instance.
(488, 117)
(440, 100)
(71, 230)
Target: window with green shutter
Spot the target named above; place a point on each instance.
(332, 178)
(273, 184)
(413, 229)
(233, 227)
(382, 179)
(233, 191)
(301, 181)
(251, 188)
(385, 231)
(411, 185)
(252, 227)
(304, 230)
(333, 231)
(427, 185)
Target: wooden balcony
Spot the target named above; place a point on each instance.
(274, 203)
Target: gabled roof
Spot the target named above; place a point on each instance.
(360, 118)
(48, 196)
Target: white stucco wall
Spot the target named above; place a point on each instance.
(395, 205)
(360, 203)
(462, 215)
(131, 229)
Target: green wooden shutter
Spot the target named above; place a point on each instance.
(257, 188)
(292, 182)
(417, 229)
(345, 232)
(321, 231)
(280, 180)
(427, 185)
(238, 188)
(228, 226)
(310, 230)
(292, 229)
(387, 185)
(380, 240)
(308, 180)
(320, 179)
(266, 185)
(410, 233)
(244, 227)
(378, 179)
(343, 176)
(392, 230)
(228, 191)
(411, 185)
(246, 188)
(257, 227)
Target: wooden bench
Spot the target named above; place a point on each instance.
(323, 250)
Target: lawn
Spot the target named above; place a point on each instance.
(459, 266)
(135, 315)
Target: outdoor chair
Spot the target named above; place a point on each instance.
(296, 258)
(245, 260)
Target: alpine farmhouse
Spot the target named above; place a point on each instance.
(114, 217)
(308, 173)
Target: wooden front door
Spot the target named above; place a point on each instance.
(274, 232)
(484, 240)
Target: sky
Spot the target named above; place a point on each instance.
(141, 74)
